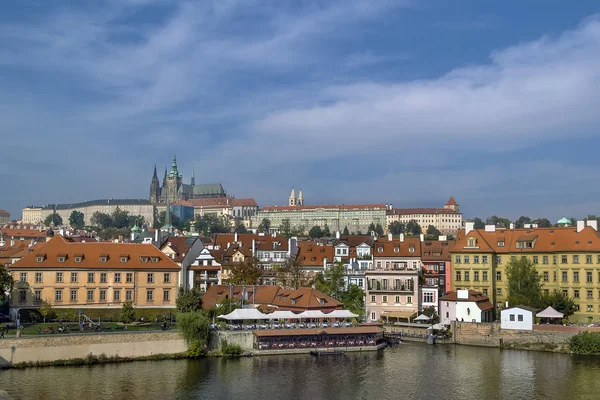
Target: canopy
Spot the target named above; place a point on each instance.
(244, 313)
(422, 317)
(549, 313)
(439, 327)
(283, 315)
(312, 314)
(398, 314)
(341, 314)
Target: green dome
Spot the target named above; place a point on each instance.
(564, 221)
(135, 228)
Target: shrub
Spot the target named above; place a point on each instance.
(195, 350)
(231, 350)
(538, 320)
(195, 327)
(565, 321)
(109, 314)
(127, 312)
(585, 343)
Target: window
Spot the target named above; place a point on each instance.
(149, 295)
(475, 259)
(457, 259)
(576, 307)
(103, 259)
(484, 276)
(598, 259)
(397, 299)
(23, 277)
(458, 275)
(384, 299)
(544, 259)
(513, 258)
(575, 259)
(103, 295)
(498, 275)
(150, 277)
(73, 295)
(512, 317)
(117, 277)
(546, 277)
(590, 294)
(590, 308)
(563, 259)
(124, 259)
(129, 277)
(90, 277)
(484, 259)
(373, 316)
(501, 243)
(373, 299)
(588, 277)
(499, 292)
(485, 292)
(576, 293)
(117, 295)
(476, 276)
(90, 295)
(498, 259)
(38, 277)
(467, 261)
(39, 259)
(59, 277)
(167, 278)
(103, 277)
(166, 295)
(73, 277)
(565, 292)
(37, 295)
(22, 296)
(564, 276)
(553, 259)
(535, 259)
(575, 276)
(588, 259)
(520, 317)
(428, 297)
(128, 295)
(409, 300)
(471, 242)
(61, 259)
(58, 295)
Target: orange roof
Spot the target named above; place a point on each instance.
(244, 202)
(474, 295)
(435, 250)
(409, 211)
(451, 202)
(304, 298)
(331, 207)
(4, 213)
(24, 233)
(311, 254)
(211, 202)
(180, 245)
(91, 252)
(395, 248)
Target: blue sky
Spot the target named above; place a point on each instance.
(404, 102)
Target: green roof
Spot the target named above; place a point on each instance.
(564, 220)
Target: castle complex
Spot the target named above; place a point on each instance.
(173, 189)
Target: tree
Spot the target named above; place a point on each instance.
(379, 229)
(433, 231)
(101, 220)
(315, 232)
(346, 232)
(560, 302)
(521, 221)
(354, 300)
(542, 223)
(120, 218)
(223, 307)
(524, 284)
(371, 228)
(430, 312)
(6, 283)
(326, 232)
(240, 227)
(45, 310)
(76, 219)
(136, 220)
(188, 300)
(331, 282)
(497, 221)
(396, 228)
(195, 327)
(247, 272)
(53, 219)
(292, 275)
(127, 314)
(211, 223)
(478, 223)
(265, 225)
(285, 228)
(413, 228)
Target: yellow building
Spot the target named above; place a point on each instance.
(567, 259)
(94, 274)
(448, 219)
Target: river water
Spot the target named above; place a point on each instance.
(408, 371)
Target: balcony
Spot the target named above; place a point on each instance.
(206, 277)
(364, 257)
(355, 272)
(400, 290)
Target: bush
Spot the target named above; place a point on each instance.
(195, 327)
(195, 350)
(231, 350)
(538, 321)
(565, 321)
(127, 312)
(109, 314)
(585, 343)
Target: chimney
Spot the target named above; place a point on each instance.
(253, 247)
(228, 244)
(402, 238)
(593, 223)
(580, 225)
(491, 228)
(511, 226)
(235, 237)
(469, 226)
(337, 234)
(12, 242)
(422, 237)
(462, 294)
(389, 237)
(443, 238)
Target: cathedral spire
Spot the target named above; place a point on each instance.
(155, 176)
(292, 201)
(300, 198)
(174, 172)
(193, 177)
(165, 178)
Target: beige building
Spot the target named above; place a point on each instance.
(4, 217)
(140, 207)
(447, 219)
(94, 274)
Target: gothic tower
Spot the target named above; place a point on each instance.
(154, 188)
(193, 182)
(172, 183)
(300, 198)
(292, 201)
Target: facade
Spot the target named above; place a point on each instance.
(519, 318)
(448, 219)
(205, 271)
(356, 218)
(393, 279)
(4, 217)
(183, 211)
(466, 305)
(173, 189)
(94, 275)
(139, 207)
(244, 209)
(184, 250)
(435, 255)
(567, 259)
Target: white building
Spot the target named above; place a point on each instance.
(518, 317)
(466, 306)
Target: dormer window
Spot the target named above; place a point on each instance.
(380, 249)
(155, 259)
(77, 259)
(103, 259)
(124, 259)
(321, 301)
(144, 259)
(293, 301)
(471, 242)
(501, 243)
(39, 259)
(396, 249)
(61, 259)
(411, 249)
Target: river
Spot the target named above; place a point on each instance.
(408, 371)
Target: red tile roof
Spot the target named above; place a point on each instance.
(451, 202)
(395, 248)
(244, 202)
(211, 202)
(409, 211)
(313, 255)
(22, 233)
(179, 244)
(4, 213)
(329, 207)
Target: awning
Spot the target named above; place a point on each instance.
(422, 317)
(241, 314)
(399, 314)
(549, 313)
(282, 315)
(312, 314)
(341, 314)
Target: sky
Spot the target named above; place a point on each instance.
(387, 101)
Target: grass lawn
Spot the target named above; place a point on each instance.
(32, 329)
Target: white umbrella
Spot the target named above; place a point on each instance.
(422, 317)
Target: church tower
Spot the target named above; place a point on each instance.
(193, 182)
(292, 201)
(154, 188)
(300, 198)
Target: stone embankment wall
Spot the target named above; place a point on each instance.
(491, 335)
(64, 347)
(244, 338)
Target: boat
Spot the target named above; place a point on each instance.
(326, 352)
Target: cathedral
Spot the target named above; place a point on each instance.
(173, 189)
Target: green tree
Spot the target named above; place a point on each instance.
(127, 314)
(76, 219)
(101, 220)
(211, 223)
(560, 302)
(413, 228)
(542, 223)
(136, 220)
(223, 307)
(433, 232)
(354, 300)
(371, 228)
(53, 219)
(524, 284)
(45, 310)
(265, 225)
(498, 221)
(331, 282)
(285, 228)
(396, 228)
(247, 272)
(430, 312)
(315, 232)
(326, 232)
(195, 327)
(521, 221)
(478, 223)
(291, 274)
(346, 232)
(378, 230)
(6, 283)
(120, 218)
(188, 300)
(240, 228)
